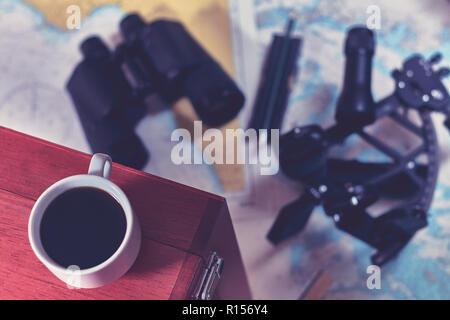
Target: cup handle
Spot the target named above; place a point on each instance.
(100, 165)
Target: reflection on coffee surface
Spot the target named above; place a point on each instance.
(83, 227)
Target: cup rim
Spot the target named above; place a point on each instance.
(83, 179)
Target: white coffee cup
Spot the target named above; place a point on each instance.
(122, 259)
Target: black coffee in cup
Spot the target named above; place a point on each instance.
(83, 227)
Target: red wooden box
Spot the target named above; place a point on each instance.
(181, 226)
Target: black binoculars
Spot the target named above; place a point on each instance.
(110, 88)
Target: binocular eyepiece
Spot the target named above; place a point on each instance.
(161, 58)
